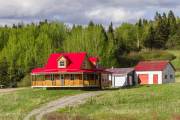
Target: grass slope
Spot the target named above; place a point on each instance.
(158, 102)
(176, 63)
(14, 106)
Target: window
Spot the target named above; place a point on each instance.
(96, 77)
(85, 77)
(52, 77)
(61, 63)
(165, 76)
(61, 77)
(171, 76)
(72, 77)
(47, 77)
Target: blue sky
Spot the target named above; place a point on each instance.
(82, 11)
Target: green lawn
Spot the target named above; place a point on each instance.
(15, 105)
(156, 102)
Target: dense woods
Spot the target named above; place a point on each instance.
(24, 47)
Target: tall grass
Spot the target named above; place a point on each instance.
(158, 102)
(16, 105)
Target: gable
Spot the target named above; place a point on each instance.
(62, 62)
(169, 67)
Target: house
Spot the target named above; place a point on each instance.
(70, 70)
(155, 72)
(122, 77)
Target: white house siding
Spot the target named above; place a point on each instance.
(118, 80)
(150, 75)
(168, 71)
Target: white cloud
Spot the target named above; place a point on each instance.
(114, 14)
(82, 11)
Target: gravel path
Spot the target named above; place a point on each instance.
(61, 103)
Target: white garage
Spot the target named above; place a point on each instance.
(121, 77)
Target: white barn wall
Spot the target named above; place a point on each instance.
(168, 71)
(150, 75)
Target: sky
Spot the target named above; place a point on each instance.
(82, 11)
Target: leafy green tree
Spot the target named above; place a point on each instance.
(4, 79)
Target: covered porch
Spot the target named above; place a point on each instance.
(67, 80)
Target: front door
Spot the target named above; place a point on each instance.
(155, 79)
(62, 79)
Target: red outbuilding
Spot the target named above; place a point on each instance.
(155, 72)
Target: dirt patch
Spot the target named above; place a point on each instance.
(176, 117)
(8, 90)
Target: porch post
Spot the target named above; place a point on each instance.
(82, 78)
(31, 80)
(95, 79)
(35, 79)
(100, 82)
(43, 79)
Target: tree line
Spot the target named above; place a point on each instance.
(24, 47)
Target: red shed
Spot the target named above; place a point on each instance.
(155, 72)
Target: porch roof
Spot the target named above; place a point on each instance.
(49, 71)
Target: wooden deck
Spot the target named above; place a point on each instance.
(67, 83)
(79, 81)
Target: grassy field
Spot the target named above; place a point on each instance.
(157, 102)
(14, 106)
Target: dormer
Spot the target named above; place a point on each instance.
(94, 61)
(62, 62)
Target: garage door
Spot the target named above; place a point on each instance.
(120, 81)
(143, 78)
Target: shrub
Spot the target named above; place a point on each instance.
(25, 82)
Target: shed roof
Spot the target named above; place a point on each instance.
(153, 65)
(120, 70)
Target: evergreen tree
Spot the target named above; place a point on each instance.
(91, 23)
(172, 22)
(150, 39)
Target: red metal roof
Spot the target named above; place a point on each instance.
(158, 65)
(75, 60)
(93, 60)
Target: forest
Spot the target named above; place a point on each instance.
(27, 46)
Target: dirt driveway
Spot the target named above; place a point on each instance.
(61, 103)
(8, 90)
